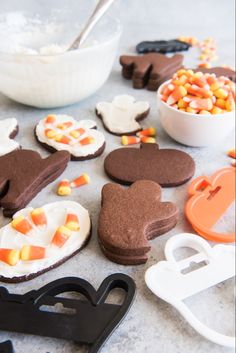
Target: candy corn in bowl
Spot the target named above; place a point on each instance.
(197, 109)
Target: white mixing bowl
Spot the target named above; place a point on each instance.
(48, 81)
(194, 129)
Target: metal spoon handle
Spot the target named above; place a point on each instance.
(101, 8)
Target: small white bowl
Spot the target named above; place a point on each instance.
(49, 81)
(193, 129)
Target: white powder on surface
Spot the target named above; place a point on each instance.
(20, 34)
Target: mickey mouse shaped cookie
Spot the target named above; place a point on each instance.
(62, 132)
(129, 218)
(122, 115)
(8, 130)
(167, 167)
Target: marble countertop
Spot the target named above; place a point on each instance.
(152, 326)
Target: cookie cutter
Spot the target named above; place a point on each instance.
(168, 281)
(92, 322)
(209, 199)
(6, 347)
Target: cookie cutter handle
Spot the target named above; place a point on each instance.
(193, 242)
(198, 185)
(204, 330)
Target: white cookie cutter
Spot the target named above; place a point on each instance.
(166, 280)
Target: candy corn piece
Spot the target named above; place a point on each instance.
(65, 125)
(151, 131)
(129, 140)
(61, 236)
(87, 140)
(63, 139)
(21, 224)
(146, 139)
(9, 256)
(64, 188)
(77, 132)
(31, 252)
(38, 217)
(50, 119)
(72, 222)
(232, 153)
(81, 180)
(50, 133)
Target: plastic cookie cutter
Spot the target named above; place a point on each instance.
(90, 320)
(209, 200)
(169, 280)
(6, 347)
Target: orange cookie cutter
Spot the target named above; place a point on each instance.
(209, 200)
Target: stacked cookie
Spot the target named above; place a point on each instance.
(129, 218)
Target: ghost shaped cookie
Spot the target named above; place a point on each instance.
(129, 218)
(23, 174)
(167, 167)
(62, 132)
(41, 239)
(122, 115)
(8, 130)
(150, 69)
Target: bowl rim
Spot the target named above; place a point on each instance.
(116, 34)
(193, 115)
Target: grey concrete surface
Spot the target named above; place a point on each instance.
(152, 326)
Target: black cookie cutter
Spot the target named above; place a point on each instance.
(92, 323)
(6, 347)
(162, 46)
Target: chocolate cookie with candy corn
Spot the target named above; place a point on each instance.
(167, 167)
(62, 132)
(43, 238)
(129, 218)
(23, 174)
(150, 70)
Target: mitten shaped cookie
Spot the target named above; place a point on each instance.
(63, 133)
(129, 218)
(8, 130)
(23, 173)
(150, 70)
(167, 167)
(121, 116)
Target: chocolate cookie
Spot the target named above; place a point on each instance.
(121, 116)
(80, 138)
(129, 218)
(162, 46)
(41, 239)
(167, 167)
(23, 174)
(150, 70)
(219, 71)
(8, 130)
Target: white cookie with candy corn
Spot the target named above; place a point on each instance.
(8, 130)
(122, 115)
(62, 132)
(37, 240)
